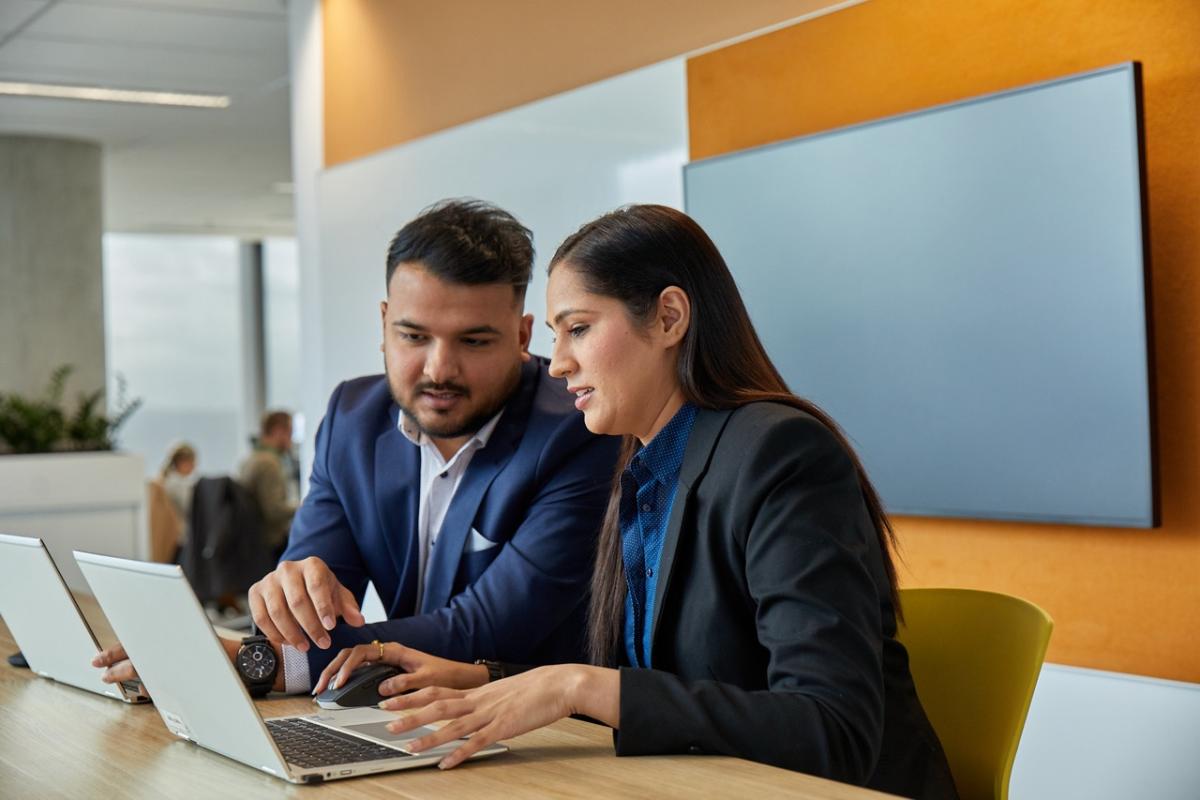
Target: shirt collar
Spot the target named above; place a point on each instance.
(663, 456)
(479, 440)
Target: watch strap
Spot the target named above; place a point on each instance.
(495, 669)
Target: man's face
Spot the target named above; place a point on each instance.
(452, 352)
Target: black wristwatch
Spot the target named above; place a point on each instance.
(257, 664)
(495, 669)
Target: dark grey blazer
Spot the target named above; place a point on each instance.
(774, 630)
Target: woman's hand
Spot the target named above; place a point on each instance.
(508, 707)
(420, 669)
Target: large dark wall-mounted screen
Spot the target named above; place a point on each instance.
(963, 289)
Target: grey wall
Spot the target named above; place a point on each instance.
(51, 288)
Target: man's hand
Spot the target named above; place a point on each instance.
(302, 600)
(120, 668)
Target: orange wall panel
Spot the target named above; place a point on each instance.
(395, 71)
(1124, 600)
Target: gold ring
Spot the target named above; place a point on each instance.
(380, 644)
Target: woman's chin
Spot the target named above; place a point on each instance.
(592, 421)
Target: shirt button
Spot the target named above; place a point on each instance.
(645, 506)
(649, 573)
(443, 475)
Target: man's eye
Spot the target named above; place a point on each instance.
(411, 337)
(476, 342)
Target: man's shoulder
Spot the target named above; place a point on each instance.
(551, 399)
(542, 420)
(367, 392)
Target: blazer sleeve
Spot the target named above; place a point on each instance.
(541, 574)
(811, 566)
(319, 527)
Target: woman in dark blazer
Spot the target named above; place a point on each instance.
(744, 599)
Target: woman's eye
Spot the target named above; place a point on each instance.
(578, 330)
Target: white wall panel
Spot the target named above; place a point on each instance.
(1108, 736)
(555, 164)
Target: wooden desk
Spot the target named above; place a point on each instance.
(57, 741)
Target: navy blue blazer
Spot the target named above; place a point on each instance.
(538, 490)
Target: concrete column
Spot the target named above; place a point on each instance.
(51, 283)
(254, 343)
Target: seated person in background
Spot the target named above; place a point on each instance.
(463, 483)
(264, 473)
(170, 503)
(744, 598)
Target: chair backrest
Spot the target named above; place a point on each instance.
(975, 658)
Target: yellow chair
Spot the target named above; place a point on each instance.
(975, 658)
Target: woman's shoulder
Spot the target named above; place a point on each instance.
(779, 430)
(770, 416)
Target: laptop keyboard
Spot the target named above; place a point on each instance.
(308, 745)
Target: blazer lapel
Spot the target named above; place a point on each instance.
(397, 483)
(703, 439)
(464, 506)
(445, 555)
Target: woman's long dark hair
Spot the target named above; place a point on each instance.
(632, 254)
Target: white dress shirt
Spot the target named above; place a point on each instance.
(440, 478)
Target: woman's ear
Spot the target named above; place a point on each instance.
(674, 314)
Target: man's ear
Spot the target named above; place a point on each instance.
(674, 314)
(525, 336)
(383, 322)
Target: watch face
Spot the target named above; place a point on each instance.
(256, 661)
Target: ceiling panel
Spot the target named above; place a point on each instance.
(15, 12)
(159, 25)
(260, 8)
(99, 64)
(165, 169)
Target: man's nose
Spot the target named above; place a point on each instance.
(441, 365)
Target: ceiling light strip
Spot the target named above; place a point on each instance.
(114, 95)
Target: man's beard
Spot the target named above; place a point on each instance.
(450, 429)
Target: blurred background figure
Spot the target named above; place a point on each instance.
(170, 503)
(267, 474)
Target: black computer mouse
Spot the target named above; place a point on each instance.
(360, 689)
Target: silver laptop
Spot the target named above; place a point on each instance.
(42, 616)
(200, 697)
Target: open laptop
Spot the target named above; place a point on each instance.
(200, 697)
(42, 616)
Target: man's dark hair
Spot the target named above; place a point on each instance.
(466, 241)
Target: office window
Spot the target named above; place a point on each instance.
(173, 330)
(281, 319)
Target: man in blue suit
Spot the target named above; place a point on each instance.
(462, 483)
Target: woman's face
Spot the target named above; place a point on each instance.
(621, 371)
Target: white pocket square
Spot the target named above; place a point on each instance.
(477, 542)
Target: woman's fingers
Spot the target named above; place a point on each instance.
(331, 670)
(355, 657)
(480, 739)
(455, 729)
(400, 683)
(450, 706)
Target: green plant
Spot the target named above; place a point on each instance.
(43, 425)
